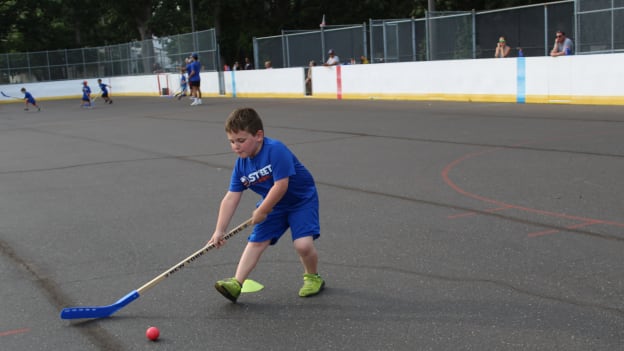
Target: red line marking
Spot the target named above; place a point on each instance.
(13, 332)
(466, 214)
(339, 82)
(585, 221)
(553, 231)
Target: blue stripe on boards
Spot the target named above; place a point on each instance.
(233, 84)
(521, 80)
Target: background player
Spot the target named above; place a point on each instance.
(104, 89)
(29, 99)
(86, 95)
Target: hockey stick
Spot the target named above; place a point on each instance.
(106, 311)
(12, 97)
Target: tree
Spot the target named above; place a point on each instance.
(32, 25)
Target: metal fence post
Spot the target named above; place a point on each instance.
(287, 50)
(48, 64)
(255, 53)
(414, 42)
(474, 34)
(66, 65)
(576, 28)
(283, 50)
(364, 43)
(322, 32)
(372, 40)
(9, 68)
(427, 34)
(546, 30)
(612, 26)
(385, 42)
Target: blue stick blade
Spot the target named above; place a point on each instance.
(98, 311)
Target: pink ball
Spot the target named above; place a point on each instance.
(152, 333)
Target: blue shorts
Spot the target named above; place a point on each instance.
(303, 221)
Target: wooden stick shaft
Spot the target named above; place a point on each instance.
(190, 259)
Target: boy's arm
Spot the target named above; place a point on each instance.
(554, 51)
(273, 197)
(226, 211)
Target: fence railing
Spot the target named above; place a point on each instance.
(599, 26)
(595, 26)
(297, 48)
(164, 54)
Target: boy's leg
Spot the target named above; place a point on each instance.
(312, 282)
(307, 254)
(249, 259)
(231, 288)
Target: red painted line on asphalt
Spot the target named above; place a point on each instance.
(585, 221)
(466, 214)
(553, 231)
(13, 332)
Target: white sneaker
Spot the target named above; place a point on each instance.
(194, 103)
(199, 102)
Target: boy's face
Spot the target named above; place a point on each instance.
(244, 144)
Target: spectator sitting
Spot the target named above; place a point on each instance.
(267, 65)
(308, 81)
(363, 60)
(333, 59)
(248, 64)
(502, 49)
(563, 45)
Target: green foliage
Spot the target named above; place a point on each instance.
(35, 25)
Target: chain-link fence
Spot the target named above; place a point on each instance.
(164, 54)
(298, 48)
(600, 25)
(596, 26)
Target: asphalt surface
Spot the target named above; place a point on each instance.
(445, 226)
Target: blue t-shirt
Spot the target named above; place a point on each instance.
(29, 98)
(189, 68)
(103, 88)
(85, 92)
(274, 162)
(196, 67)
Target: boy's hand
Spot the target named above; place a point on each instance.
(258, 216)
(217, 239)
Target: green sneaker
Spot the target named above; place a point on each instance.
(312, 285)
(229, 288)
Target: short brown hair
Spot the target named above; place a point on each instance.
(243, 119)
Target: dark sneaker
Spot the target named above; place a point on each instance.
(230, 288)
(312, 285)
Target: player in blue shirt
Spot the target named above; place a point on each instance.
(104, 89)
(86, 95)
(289, 200)
(194, 79)
(29, 99)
